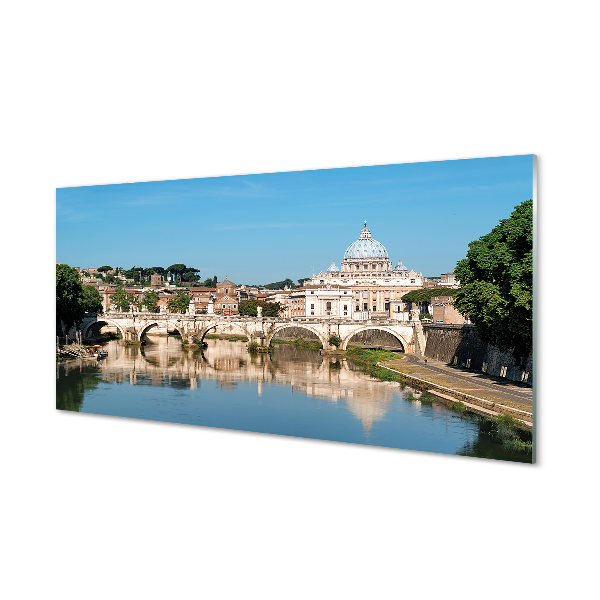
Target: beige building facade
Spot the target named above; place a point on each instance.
(375, 286)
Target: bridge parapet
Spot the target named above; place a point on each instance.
(134, 325)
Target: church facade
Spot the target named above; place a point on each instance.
(375, 285)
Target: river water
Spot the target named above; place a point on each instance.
(291, 392)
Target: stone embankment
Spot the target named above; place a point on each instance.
(480, 393)
(460, 345)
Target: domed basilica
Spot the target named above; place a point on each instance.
(366, 261)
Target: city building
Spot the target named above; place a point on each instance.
(226, 299)
(443, 311)
(296, 306)
(201, 297)
(329, 301)
(449, 280)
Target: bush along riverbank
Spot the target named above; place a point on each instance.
(254, 348)
(503, 428)
(367, 359)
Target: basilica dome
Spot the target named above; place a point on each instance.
(366, 247)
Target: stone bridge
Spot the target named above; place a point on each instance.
(406, 336)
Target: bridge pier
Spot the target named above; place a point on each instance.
(131, 335)
(260, 338)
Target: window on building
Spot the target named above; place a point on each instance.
(357, 307)
(365, 294)
(365, 306)
(412, 280)
(345, 307)
(328, 305)
(387, 306)
(312, 306)
(312, 291)
(374, 308)
(312, 312)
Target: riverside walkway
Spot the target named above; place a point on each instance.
(474, 383)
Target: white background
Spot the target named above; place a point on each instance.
(97, 507)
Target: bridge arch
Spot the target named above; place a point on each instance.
(206, 328)
(147, 327)
(349, 336)
(297, 326)
(99, 319)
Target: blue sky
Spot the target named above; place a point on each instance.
(256, 229)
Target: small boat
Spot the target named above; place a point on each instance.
(96, 352)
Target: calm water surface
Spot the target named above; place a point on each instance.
(292, 392)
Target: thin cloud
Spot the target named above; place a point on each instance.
(262, 226)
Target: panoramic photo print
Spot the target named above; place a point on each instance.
(387, 305)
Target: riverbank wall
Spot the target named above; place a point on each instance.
(460, 345)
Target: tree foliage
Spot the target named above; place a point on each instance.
(70, 307)
(177, 269)
(123, 300)
(92, 301)
(150, 300)
(210, 283)
(104, 269)
(180, 303)
(269, 309)
(424, 296)
(191, 274)
(302, 280)
(497, 283)
(279, 285)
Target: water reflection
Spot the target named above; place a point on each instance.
(163, 361)
(291, 392)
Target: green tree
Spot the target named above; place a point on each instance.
(92, 301)
(150, 300)
(279, 285)
(134, 273)
(301, 281)
(248, 308)
(497, 283)
(104, 269)
(191, 274)
(180, 303)
(210, 283)
(177, 269)
(423, 296)
(123, 299)
(70, 307)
